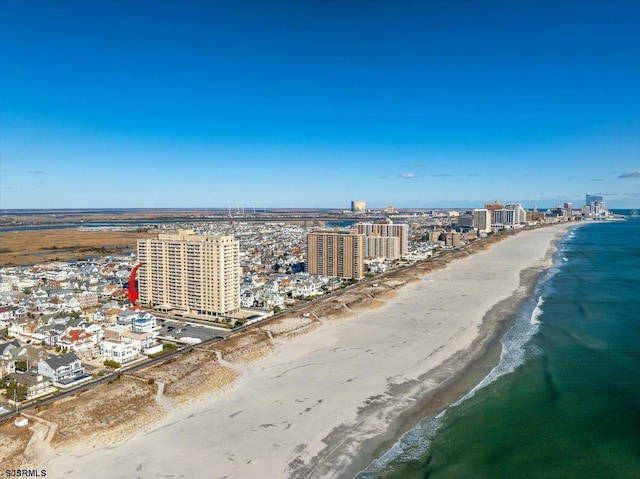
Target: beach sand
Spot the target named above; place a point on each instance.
(322, 404)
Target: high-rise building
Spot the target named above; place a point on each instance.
(381, 247)
(387, 228)
(520, 215)
(482, 219)
(568, 210)
(452, 239)
(504, 217)
(596, 205)
(590, 199)
(493, 207)
(358, 206)
(196, 273)
(332, 253)
(465, 220)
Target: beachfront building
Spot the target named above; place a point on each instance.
(510, 217)
(482, 220)
(520, 214)
(196, 273)
(595, 205)
(387, 228)
(335, 254)
(492, 208)
(387, 247)
(62, 370)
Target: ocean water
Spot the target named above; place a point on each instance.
(564, 401)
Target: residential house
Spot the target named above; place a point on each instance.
(117, 351)
(270, 299)
(27, 353)
(37, 384)
(305, 289)
(247, 299)
(140, 341)
(143, 323)
(126, 317)
(52, 333)
(78, 340)
(8, 365)
(63, 370)
(25, 330)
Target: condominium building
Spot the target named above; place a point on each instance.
(482, 218)
(196, 273)
(452, 239)
(387, 247)
(400, 231)
(331, 253)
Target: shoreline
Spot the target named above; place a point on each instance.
(298, 374)
(484, 353)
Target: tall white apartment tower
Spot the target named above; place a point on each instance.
(196, 273)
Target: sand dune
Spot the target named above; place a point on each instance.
(320, 404)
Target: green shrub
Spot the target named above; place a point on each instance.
(112, 364)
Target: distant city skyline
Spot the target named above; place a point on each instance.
(414, 104)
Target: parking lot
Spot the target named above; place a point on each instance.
(184, 331)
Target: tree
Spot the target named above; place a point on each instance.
(277, 309)
(16, 391)
(21, 365)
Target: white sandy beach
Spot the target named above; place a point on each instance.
(307, 409)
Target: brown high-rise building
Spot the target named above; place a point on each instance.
(331, 253)
(493, 207)
(400, 231)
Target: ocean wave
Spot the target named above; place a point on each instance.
(416, 442)
(535, 315)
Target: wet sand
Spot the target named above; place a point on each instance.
(326, 403)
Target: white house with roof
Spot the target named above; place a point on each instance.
(126, 317)
(271, 299)
(140, 341)
(247, 299)
(52, 333)
(306, 288)
(144, 323)
(94, 329)
(117, 351)
(63, 370)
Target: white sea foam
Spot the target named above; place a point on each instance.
(537, 312)
(414, 444)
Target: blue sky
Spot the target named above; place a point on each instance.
(317, 103)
